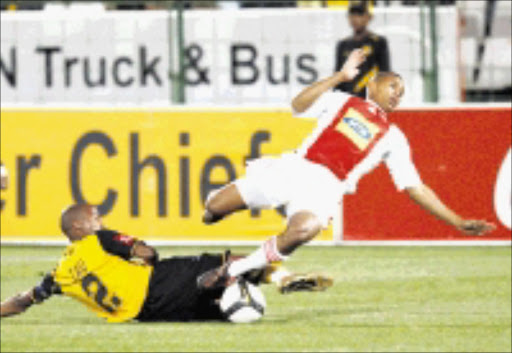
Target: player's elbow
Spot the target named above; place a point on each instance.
(152, 256)
(297, 106)
(145, 252)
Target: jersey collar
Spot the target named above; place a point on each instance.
(379, 109)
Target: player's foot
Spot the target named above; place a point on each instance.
(304, 282)
(215, 278)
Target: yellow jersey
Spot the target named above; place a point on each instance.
(113, 288)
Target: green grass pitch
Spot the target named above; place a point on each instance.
(384, 299)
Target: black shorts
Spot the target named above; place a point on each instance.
(173, 294)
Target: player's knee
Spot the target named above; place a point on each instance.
(210, 218)
(305, 227)
(213, 209)
(207, 217)
(212, 205)
(309, 231)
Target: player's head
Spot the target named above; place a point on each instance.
(80, 220)
(359, 15)
(386, 89)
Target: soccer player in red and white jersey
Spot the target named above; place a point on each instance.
(352, 137)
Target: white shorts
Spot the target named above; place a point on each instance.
(293, 182)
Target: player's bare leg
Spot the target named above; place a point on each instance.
(221, 203)
(302, 227)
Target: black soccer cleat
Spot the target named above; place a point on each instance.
(255, 277)
(215, 278)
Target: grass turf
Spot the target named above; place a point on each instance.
(383, 299)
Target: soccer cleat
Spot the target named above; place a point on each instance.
(215, 278)
(255, 277)
(309, 282)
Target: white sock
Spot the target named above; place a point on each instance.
(264, 255)
(278, 275)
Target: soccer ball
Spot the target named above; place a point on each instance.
(243, 302)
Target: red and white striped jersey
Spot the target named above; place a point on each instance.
(353, 136)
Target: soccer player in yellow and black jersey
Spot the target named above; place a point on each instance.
(120, 278)
(375, 47)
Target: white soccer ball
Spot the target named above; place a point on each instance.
(243, 302)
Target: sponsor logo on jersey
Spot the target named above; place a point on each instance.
(124, 239)
(357, 128)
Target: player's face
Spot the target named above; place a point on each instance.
(92, 222)
(388, 92)
(89, 222)
(94, 219)
(358, 22)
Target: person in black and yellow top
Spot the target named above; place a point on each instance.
(374, 45)
(121, 278)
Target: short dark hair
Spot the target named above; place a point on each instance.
(359, 7)
(71, 215)
(382, 74)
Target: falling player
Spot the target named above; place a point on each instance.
(352, 137)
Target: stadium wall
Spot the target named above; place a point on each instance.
(151, 168)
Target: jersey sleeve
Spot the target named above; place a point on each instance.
(323, 104)
(339, 60)
(399, 162)
(383, 55)
(46, 288)
(116, 243)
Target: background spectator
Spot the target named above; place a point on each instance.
(375, 46)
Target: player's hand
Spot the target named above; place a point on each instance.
(350, 68)
(475, 227)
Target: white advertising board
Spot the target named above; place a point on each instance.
(252, 57)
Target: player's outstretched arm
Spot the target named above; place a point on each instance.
(427, 198)
(17, 304)
(22, 301)
(347, 73)
(145, 252)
